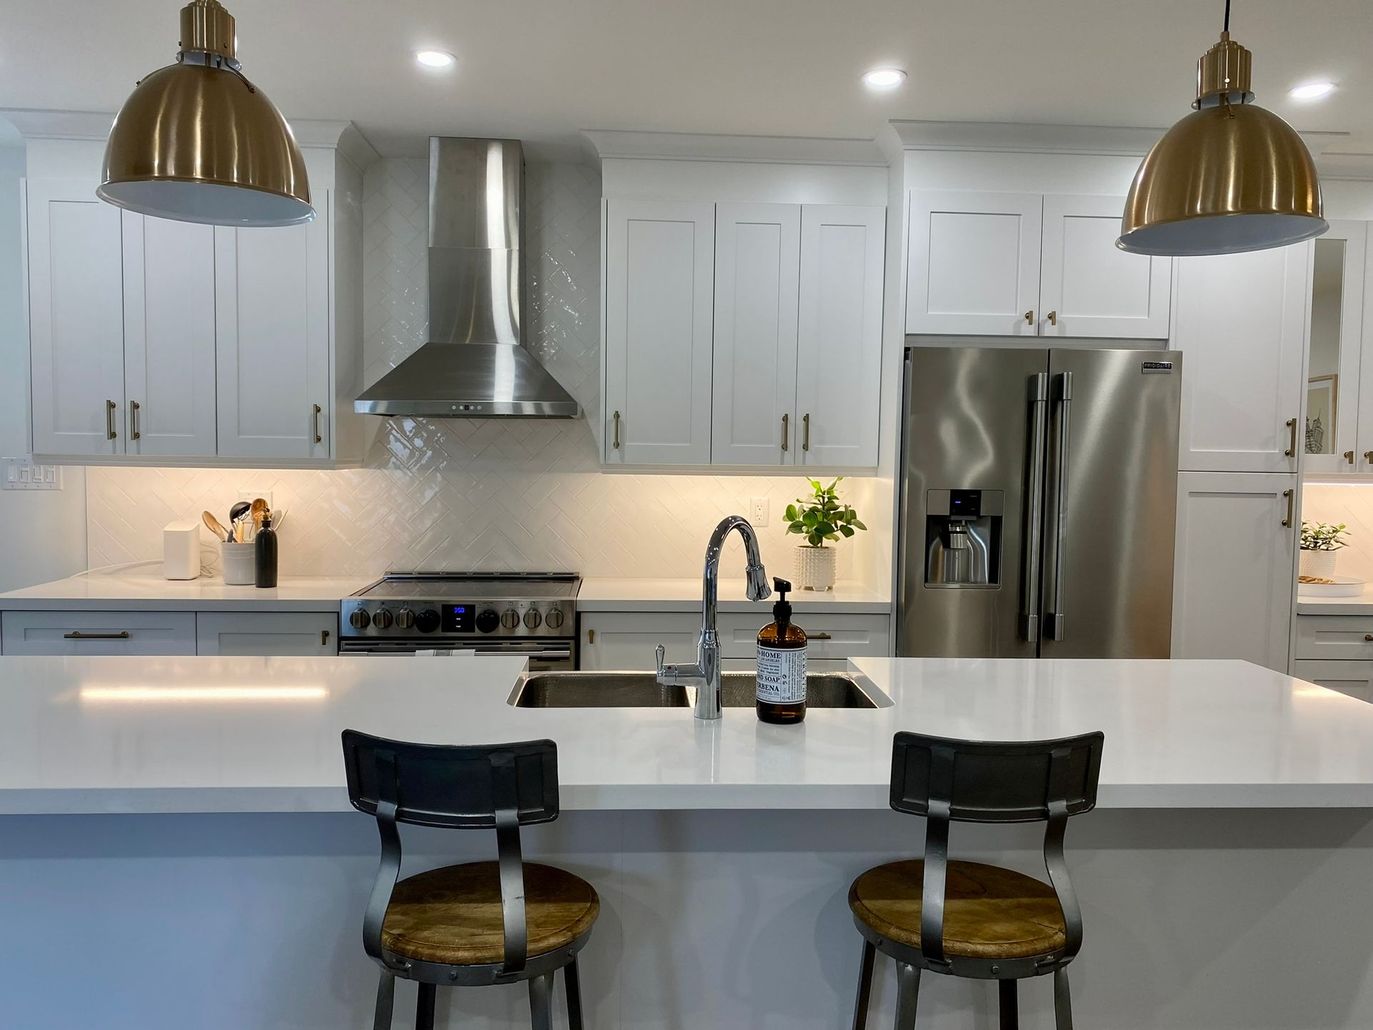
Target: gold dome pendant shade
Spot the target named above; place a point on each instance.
(1228, 178)
(197, 142)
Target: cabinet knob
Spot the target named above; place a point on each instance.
(1368, 457)
(1349, 457)
(1030, 317)
(1053, 317)
(1368, 637)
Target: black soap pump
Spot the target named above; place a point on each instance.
(781, 664)
(265, 554)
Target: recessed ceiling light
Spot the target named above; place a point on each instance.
(884, 78)
(1311, 90)
(435, 58)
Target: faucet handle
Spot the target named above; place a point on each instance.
(659, 653)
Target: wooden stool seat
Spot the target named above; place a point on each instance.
(453, 915)
(989, 912)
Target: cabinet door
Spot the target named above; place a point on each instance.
(626, 640)
(1089, 286)
(1331, 422)
(272, 315)
(1240, 321)
(659, 281)
(1234, 567)
(1352, 678)
(97, 633)
(169, 336)
(76, 319)
(266, 633)
(973, 263)
(757, 264)
(839, 338)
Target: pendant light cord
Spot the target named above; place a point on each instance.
(1227, 15)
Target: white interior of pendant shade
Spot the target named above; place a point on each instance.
(206, 202)
(1222, 234)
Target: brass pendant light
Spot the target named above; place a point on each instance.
(1228, 178)
(197, 142)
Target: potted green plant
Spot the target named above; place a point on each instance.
(819, 518)
(1320, 545)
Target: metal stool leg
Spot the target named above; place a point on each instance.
(573, 984)
(908, 990)
(1010, 1004)
(386, 999)
(540, 1012)
(1063, 1003)
(424, 1008)
(860, 1005)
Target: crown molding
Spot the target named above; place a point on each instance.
(691, 146)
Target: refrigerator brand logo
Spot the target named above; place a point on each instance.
(1156, 367)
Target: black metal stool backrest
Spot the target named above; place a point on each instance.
(481, 786)
(994, 782)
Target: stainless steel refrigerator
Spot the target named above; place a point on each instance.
(1038, 502)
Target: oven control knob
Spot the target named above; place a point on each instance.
(555, 618)
(488, 619)
(382, 619)
(532, 618)
(359, 619)
(427, 621)
(510, 618)
(405, 618)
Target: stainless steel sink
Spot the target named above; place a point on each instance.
(642, 690)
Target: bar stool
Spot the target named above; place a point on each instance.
(478, 923)
(968, 919)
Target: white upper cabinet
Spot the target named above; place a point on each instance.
(757, 267)
(1241, 322)
(272, 316)
(839, 351)
(1088, 285)
(973, 263)
(76, 319)
(1029, 264)
(659, 285)
(169, 337)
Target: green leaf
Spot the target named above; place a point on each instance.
(858, 525)
(790, 514)
(796, 527)
(846, 530)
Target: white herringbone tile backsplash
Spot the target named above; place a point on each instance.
(479, 494)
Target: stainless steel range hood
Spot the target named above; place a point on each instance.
(475, 364)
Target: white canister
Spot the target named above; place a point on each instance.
(1319, 564)
(238, 564)
(181, 550)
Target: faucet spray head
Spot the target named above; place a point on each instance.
(758, 588)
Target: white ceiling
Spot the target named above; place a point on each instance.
(543, 69)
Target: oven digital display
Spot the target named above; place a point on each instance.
(459, 618)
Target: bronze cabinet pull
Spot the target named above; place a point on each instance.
(1291, 451)
(318, 412)
(1368, 457)
(1368, 637)
(110, 434)
(134, 434)
(591, 636)
(1349, 457)
(1291, 497)
(615, 443)
(324, 638)
(1030, 317)
(1053, 318)
(819, 636)
(76, 634)
(785, 420)
(805, 431)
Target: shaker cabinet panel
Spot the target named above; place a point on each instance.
(1353, 678)
(757, 264)
(97, 633)
(76, 319)
(659, 299)
(1241, 322)
(973, 263)
(1338, 423)
(1234, 566)
(266, 633)
(839, 349)
(169, 337)
(272, 314)
(626, 640)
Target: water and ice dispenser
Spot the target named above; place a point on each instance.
(963, 537)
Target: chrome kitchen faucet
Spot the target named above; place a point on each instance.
(704, 675)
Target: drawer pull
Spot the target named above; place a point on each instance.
(76, 634)
(1368, 637)
(819, 636)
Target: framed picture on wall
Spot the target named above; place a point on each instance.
(1322, 396)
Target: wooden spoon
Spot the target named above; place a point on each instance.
(215, 526)
(259, 512)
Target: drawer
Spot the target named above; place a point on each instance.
(1352, 678)
(1335, 637)
(97, 633)
(267, 633)
(831, 636)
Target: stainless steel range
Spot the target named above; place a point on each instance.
(530, 614)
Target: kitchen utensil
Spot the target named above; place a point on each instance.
(259, 512)
(238, 509)
(215, 526)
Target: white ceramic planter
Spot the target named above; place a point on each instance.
(815, 567)
(1320, 564)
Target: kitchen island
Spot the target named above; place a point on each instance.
(178, 838)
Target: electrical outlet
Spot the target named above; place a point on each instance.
(23, 474)
(758, 511)
(249, 494)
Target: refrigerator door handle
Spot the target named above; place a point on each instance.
(1034, 509)
(1054, 605)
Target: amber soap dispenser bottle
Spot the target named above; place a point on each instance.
(781, 664)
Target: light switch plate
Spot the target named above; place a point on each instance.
(758, 511)
(23, 474)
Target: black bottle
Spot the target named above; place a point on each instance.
(781, 664)
(265, 554)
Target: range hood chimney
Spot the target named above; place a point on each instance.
(475, 364)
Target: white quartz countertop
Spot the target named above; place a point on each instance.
(203, 734)
(684, 595)
(143, 589)
(1359, 604)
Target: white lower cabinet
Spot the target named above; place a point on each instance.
(1234, 566)
(1336, 651)
(267, 633)
(1352, 678)
(97, 633)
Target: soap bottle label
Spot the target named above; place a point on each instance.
(781, 675)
